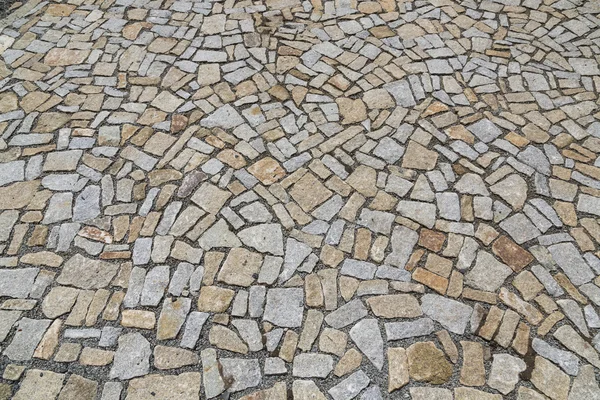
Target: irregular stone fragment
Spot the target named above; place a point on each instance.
(309, 192)
(285, 307)
(59, 301)
(312, 365)
(425, 393)
(211, 373)
(168, 387)
(210, 198)
(488, 274)
(63, 57)
(225, 117)
(17, 195)
(267, 170)
(219, 235)
(505, 371)
(550, 380)
(403, 241)
(572, 341)
(40, 385)
(306, 390)
(570, 261)
(17, 283)
(453, 315)
(265, 238)
(397, 368)
(350, 387)
(427, 363)
(395, 306)
(367, 336)
(79, 388)
(240, 267)
(7, 320)
(465, 393)
(419, 157)
(86, 273)
(564, 359)
(485, 130)
(242, 373)
(27, 337)
(172, 317)
(132, 357)
(472, 372)
(513, 190)
(346, 314)
(585, 385)
(408, 329)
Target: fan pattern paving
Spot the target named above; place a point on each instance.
(289, 199)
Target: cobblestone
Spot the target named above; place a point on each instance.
(317, 199)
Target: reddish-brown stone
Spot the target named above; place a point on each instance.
(511, 253)
(431, 240)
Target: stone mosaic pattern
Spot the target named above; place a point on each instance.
(289, 199)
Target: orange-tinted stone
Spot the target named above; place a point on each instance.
(436, 282)
(267, 170)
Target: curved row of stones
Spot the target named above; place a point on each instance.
(307, 200)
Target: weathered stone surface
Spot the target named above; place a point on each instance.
(312, 365)
(427, 363)
(17, 195)
(452, 314)
(169, 387)
(17, 282)
(368, 339)
(265, 238)
(331, 184)
(132, 358)
(505, 371)
(549, 379)
(397, 368)
(395, 306)
(28, 335)
(87, 273)
(40, 385)
(240, 267)
(284, 307)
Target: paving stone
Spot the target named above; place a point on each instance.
(17, 283)
(346, 314)
(86, 273)
(395, 306)
(350, 387)
(78, 387)
(312, 365)
(505, 371)
(408, 329)
(570, 261)
(427, 363)
(132, 358)
(452, 314)
(28, 335)
(284, 307)
(488, 274)
(284, 178)
(264, 238)
(367, 337)
(185, 385)
(549, 379)
(564, 359)
(40, 384)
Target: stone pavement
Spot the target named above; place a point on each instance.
(288, 199)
